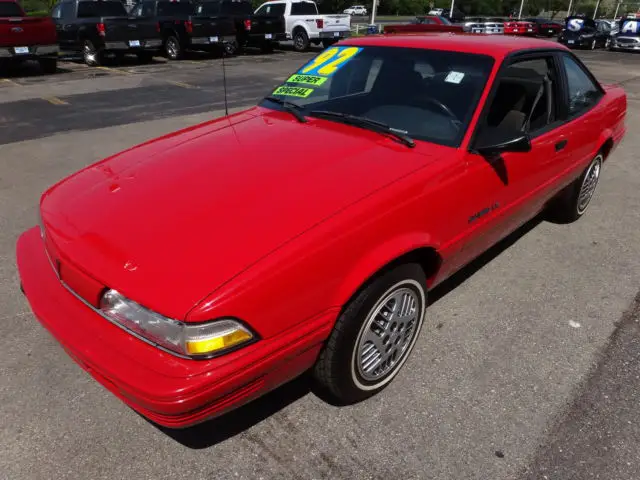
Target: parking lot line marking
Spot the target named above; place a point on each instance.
(180, 84)
(55, 101)
(116, 70)
(11, 82)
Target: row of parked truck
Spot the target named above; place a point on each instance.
(96, 28)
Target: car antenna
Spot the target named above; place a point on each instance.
(224, 81)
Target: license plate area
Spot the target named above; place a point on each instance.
(134, 43)
(21, 50)
(268, 36)
(213, 39)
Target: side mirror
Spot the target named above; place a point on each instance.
(494, 141)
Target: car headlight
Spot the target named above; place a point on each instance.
(191, 340)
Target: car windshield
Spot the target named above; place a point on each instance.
(429, 95)
(236, 7)
(90, 9)
(10, 9)
(175, 8)
(444, 20)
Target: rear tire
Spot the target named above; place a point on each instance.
(172, 48)
(90, 54)
(300, 41)
(374, 335)
(572, 202)
(48, 65)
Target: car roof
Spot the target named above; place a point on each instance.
(497, 46)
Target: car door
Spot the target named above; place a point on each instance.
(582, 118)
(504, 191)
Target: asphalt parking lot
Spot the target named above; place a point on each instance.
(528, 366)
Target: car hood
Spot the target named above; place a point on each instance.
(168, 222)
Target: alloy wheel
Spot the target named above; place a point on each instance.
(388, 333)
(589, 184)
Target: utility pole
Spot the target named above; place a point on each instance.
(451, 11)
(596, 9)
(569, 10)
(520, 12)
(373, 12)
(615, 15)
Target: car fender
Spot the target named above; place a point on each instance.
(375, 260)
(302, 24)
(605, 135)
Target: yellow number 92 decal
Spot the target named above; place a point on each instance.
(329, 61)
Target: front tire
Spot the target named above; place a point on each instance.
(572, 202)
(374, 335)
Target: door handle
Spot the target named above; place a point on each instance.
(561, 144)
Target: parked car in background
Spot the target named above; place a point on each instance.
(304, 25)
(181, 28)
(392, 162)
(356, 10)
(455, 16)
(628, 36)
(520, 27)
(25, 38)
(436, 11)
(546, 28)
(429, 23)
(474, 24)
(493, 26)
(262, 31)
(582, 32)
(99, 27)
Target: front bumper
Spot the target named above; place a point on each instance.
(32, 51)
(152, 44)
(168, 390)
(629, 47)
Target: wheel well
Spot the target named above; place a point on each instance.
(298, 29)
(427, 257)
(606, 147)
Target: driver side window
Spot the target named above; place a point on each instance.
(525, 97)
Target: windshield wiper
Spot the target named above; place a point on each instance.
(367, 123)
(293, 108)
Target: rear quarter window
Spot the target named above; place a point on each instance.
(303, 8)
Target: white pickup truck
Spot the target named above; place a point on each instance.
(304, 25)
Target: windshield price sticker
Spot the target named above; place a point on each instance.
(307, 79)
(329, 61)
(630, 26)
(293, 91)
(575, 24)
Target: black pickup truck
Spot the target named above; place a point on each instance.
(182, 28)
(97, 27)
(261, 31)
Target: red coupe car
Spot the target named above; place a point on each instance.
(521, 27)
(197, 271)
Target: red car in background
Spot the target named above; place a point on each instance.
(546, 28)
(25, 37)
(428, 23)
(520, 27)
(197, 271)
